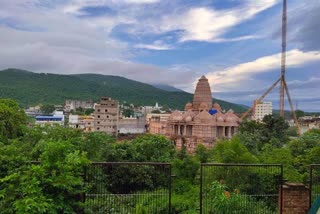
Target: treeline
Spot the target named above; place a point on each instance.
(54, 182)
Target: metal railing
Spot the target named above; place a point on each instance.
(314, 182)
(241, 188)
(128, 187)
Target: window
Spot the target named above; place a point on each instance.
(98, 128)
(106, 110)
(98, 110)
(98, 116)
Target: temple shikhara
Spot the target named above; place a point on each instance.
(200, 123)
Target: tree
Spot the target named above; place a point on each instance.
(156, 111)
(12, 120)
(47, 109)
(275, 128)
(127, 112)
(88, 111)
(202, 153)
(299, 113)
(232, 152)
(272, 130)
(54, 185)
(153, 148)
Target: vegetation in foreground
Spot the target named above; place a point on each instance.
(54, 185)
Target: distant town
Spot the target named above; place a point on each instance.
(201, 122)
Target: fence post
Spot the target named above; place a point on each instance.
(310, 185)
(201, 174)
(281, 190)
(170, 188)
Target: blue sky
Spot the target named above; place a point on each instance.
(235, 43)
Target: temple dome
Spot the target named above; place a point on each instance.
(175, 116)
(203, 107)
(202, 93)
(231, 117)
(188, 106)
(188, 116)
(204, 118)
(188, 119)
(220, 117)
(217, 107)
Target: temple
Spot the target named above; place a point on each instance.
(202, 122)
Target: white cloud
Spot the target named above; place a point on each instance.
(157, 45)
(209, 24)
(233, 77)
(141, 1)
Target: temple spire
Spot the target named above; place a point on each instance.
(202, 93)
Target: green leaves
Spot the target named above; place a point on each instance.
(12, 120)
(233, 151)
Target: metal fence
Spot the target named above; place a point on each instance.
(314, 185)
(128, 187)
(241, 188)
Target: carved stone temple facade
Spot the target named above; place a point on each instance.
(202, 122)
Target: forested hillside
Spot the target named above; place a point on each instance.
(30, 88)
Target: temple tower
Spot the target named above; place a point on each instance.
(202, 93)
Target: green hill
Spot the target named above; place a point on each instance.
(30, 88)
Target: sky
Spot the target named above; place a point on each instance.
(236, 44)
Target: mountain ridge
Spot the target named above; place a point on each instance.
(29, 88)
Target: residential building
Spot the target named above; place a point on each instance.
(76, 104)
(132, 125)
(261, 109)
(106, 116)
(83, 122)
(307, 123)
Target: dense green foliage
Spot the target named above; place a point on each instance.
(55, 89)
(47, 109)
(12, 119)
(55, 183)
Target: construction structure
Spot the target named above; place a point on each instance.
(106, 116)
(283, 85)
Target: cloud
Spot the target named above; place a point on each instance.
(209, 24)
(304, 25)
(141, 1)
(233, 77)
(303, 21)
(157, 45)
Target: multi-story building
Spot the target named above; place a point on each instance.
(106, 116)
(261, 109)
(85, 123)
(75, 104)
